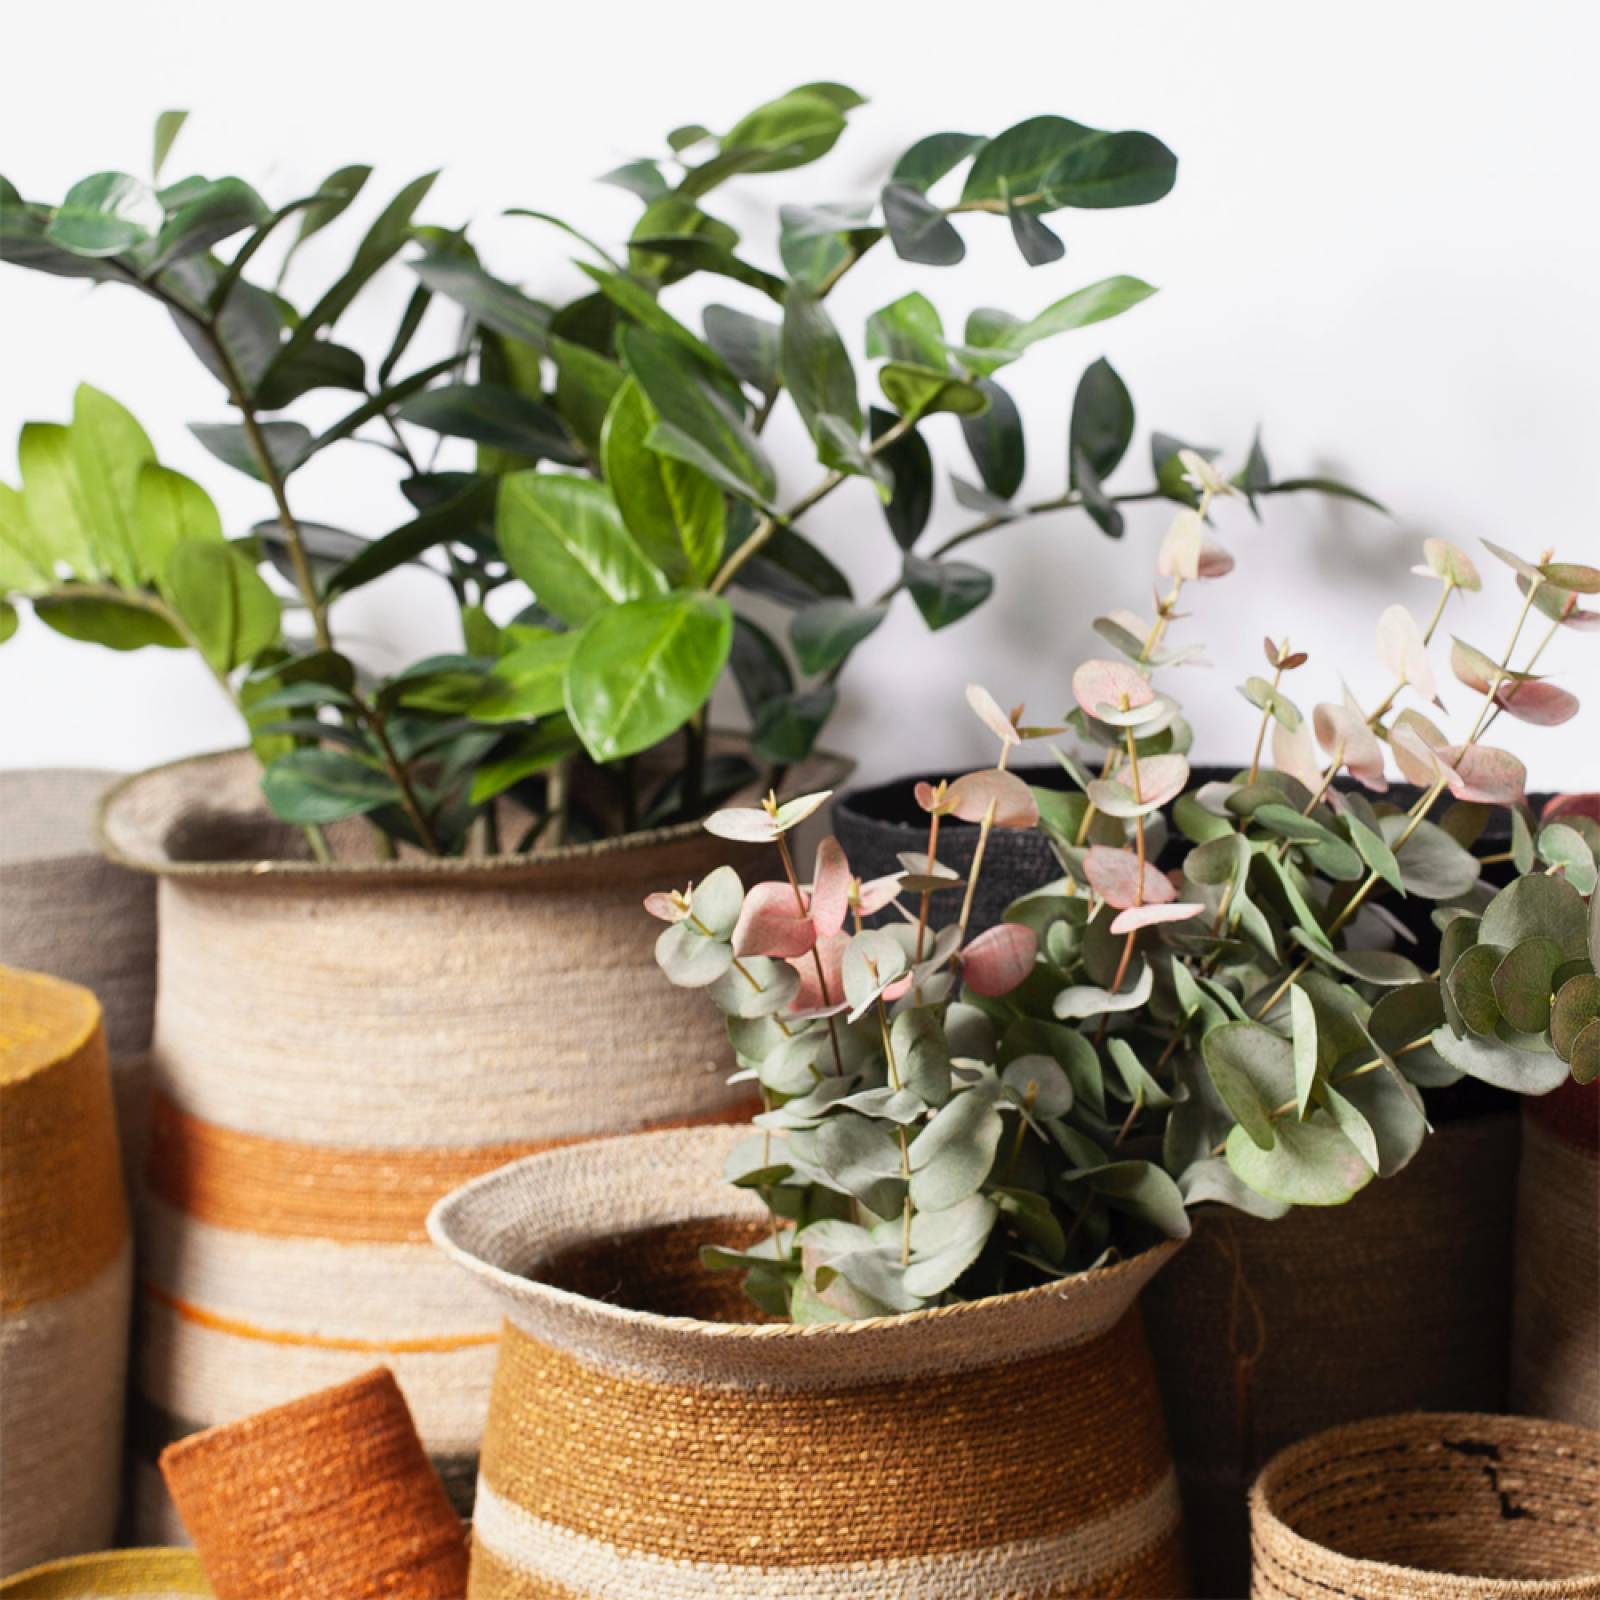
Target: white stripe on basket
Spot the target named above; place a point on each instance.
(319, 1286)
(602, 1572)
(63, 1365)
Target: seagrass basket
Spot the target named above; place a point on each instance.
(330, 1495)
(136, 1574)
(1431, 1506)
(645, 1439)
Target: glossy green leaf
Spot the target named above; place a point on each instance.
(917, 392)
(494, 415)
(226, 606)
(1329, 486)
(641, 307)
(498, 306)
(108, 449)
(825, 633)
(107, 622)
(749, 345)
(565, 538)
(1036, 243)
(696, 423)
(932, 157)
(528, 682)
(230, 442)
(911, 466)
(53, 504)
(335, 194)
(918, 229)
(319, 786)
(786, 729)
(322, 364)
(642, 669)
(996, 441)
(212, 213)
(945, 591)
(168, 125)
(460, 516)
(674, 511)
(8, 620)
(105, 215)
(168, 509)
(1047, 161)
(1097, 303)
(1102, 419)
(817, 370)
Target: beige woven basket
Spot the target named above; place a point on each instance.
(644, 1440)
(1440, 1506)
(64, 1275)
(135, 1574)
(338, 1046)
(1555, 1363)
(1266, 1332)
(66, 910)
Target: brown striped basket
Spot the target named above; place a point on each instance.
(338, 1046)
(1265, 1332)
(1555, 1368)
(1431, 1506)
(331, 1495)
(137, 1574)
(66, 910)
(646, 1441)
(64, 1275)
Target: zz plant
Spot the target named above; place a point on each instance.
(619, 470)
(1216, 1001)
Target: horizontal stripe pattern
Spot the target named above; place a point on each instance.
(518, 1556)
(681, 1471)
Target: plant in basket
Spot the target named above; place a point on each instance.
(1213, 1002)
(605, 514)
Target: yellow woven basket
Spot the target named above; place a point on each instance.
(138, 1574)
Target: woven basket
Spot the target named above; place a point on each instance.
(331, 1495)
(66, 910)
(646, 1441)
(1265, 1332)
(1441, 1506)
(140, 1574)
(64, 1275)
(338, 1046)
(1555, 1349)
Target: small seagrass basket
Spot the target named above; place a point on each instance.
(137, 1574)
(1431, 1506)
(330, 1495)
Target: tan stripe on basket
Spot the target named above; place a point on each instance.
(62, 1214)
(292, 1189)
(1128, 1550)
(674, 1470)
(137, 1574)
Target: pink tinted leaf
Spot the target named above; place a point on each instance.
(1523, 568)
(1294, 754)
(748, 824)
(991, 715)
(999, 959)
(1572, 576)
(668, 907)
(1541, 703)
(899, 987)
(1445, 560)
(830, 952)
(1136, 917)
(793, 812)
(1345, 735)
(1486, 776)
(1180, 549)
(1401, 650)
(1114, 876)
(875, 893)
(771, 924)
(830, 887)
(1161, 778)
(1471, 666)
(1573, 805)
(1418, 745)
(932, 799)
(1216, 561)
(1110, 683)
(1014, 806)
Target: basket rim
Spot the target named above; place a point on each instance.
(1132, 1272)
(420, 869)
(1352, 1572)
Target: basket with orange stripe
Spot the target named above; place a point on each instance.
(645, 1439)
(337, 1046)
(64, 1274)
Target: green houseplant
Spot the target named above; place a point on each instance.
(618, 472)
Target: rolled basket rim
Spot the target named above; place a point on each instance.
(442, 1217)
(418, 869)
(1356, 1571)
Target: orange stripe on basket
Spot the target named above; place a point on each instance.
(288, 1189)
(443, 1344)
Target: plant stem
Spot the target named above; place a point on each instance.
(402, 779)
(816, 959)
(1261, 732)
(984, 829)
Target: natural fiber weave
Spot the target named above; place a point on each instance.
(1265, 1332)
(1444, 1506)
(1555, 1351)
(338, 1046)
(329, 1495)
(64, 1274)
(635, 1447)
(66, 910)
(139, 1574)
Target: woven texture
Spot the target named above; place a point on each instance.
(142, 1574)
(64, 1274)
(642, 1443)
(66, 910)
(336, 1048)
(1265, 1332)
(1445, 1506)
(329, 1495)
(1555, 1352)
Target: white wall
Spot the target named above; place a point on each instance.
(1383, 246)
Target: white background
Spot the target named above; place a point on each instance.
(1383, 247)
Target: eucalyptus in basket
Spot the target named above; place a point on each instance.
(619, 471)
(1211, 1008)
